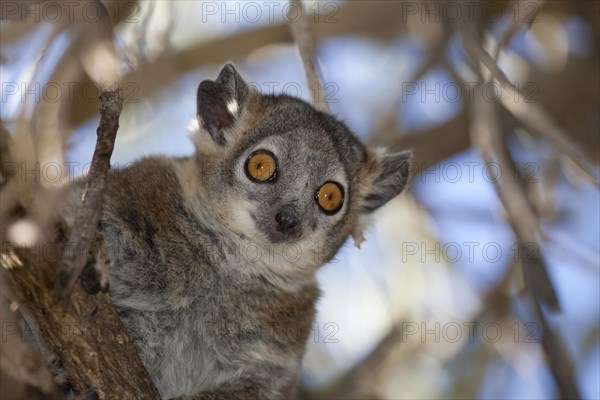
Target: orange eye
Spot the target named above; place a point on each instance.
(330, 197)
(261, 166)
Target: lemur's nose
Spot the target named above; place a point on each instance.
(286, 220)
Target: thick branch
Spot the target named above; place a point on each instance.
(23, 372)
(88, 338)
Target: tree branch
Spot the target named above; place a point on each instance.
(532, 115)
(23, 373)
(88, 337)
(85, 333)
(88, 213)
(303, 36)
(486, 136)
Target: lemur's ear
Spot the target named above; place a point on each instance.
(388, 176)
(220, 102)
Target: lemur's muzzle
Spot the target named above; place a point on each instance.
(287, 220)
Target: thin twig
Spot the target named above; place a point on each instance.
(99, 38)
(303, 36)
(532, 115)
(514, 27)
(559, 364)
(88, 214)
(486, 138)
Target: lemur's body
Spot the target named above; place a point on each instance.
(213, 257)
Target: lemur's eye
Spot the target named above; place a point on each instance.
(261, 166)
(330, 197)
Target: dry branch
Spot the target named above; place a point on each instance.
(532, 115)
(97, 41)
(486, 137)
(382, 22)
(23, 372)
(88, 214)
(87, 336)
(301, 31)
(524, 224)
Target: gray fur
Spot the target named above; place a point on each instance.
(218, 300)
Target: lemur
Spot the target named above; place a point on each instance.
(212, 258)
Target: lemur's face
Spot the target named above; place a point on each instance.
(294, 186)
(290, 175)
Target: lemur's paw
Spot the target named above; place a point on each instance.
(94, 279)
(60, 374)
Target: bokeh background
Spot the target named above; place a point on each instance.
(434, 304)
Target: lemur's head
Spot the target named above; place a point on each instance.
(287, 173)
